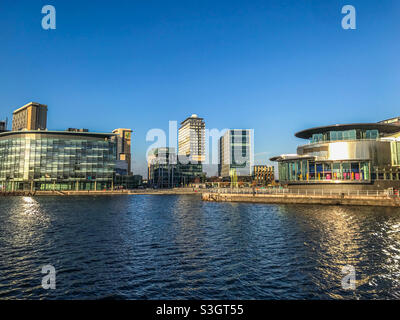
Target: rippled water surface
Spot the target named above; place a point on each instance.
(178, 247)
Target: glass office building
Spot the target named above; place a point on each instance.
(357, 155)
(56, 160)
(165, 170)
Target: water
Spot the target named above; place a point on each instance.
(178, 247)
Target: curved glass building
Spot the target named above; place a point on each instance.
(362, 156)
(56, 160)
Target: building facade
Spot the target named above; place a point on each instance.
(263, 174)
(235, 153)
(127, 181)
(163, 171)
(32, 116)
(349, 156)
(124, 139)
(191, 139)
(191, 173)
(3, 125)
(56, 160)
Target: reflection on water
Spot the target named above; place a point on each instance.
(178, 247)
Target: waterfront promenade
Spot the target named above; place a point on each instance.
(277, 196)
(299, 196)
(175, 191)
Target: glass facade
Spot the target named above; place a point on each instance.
(166, 171)
(360, 153)
(48, 161)
(314, 171)
(354, 134)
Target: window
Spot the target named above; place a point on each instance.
(327, 171)
(311, 166)
(346, 171)
(395, 153)
(371, 134)
(336, 172)
(317, 137)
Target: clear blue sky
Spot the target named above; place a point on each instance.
(275, 66)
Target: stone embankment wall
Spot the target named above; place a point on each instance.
(391, 201)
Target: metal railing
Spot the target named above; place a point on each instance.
(304, 192)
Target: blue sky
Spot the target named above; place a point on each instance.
(274, 66)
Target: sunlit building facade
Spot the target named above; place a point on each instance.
(236, 153)
(32, 116)
(56, 160)
(349, 156)
(263, 174)
(124, 158)
(191, 139)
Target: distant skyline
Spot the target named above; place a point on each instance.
(277, 67)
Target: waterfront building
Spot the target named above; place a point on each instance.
(56, 160)
(191, 139)
(191, 142)
(123, 137)
(263, 174)
(348, 156)
(32, 116)
(191, 172)
(235, 153)
(127, 181)
(163, 171)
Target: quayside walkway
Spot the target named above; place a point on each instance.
(301, 196)
(175, 191)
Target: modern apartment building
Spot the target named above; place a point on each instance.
(191, 139)
(124, 138)
(236, 153)
(32, 116)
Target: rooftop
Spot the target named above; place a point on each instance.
(29, 104)
(381, 127)
(46, 132)
(192, 117)
(291, 157)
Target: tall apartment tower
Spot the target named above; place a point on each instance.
(32, 116)
(236, 152)
(124, 137)
(191, 138)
